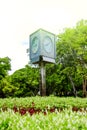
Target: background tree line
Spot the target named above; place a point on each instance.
(68, 77)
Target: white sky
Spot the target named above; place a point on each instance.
(20, 18)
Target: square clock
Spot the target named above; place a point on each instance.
(42, 47)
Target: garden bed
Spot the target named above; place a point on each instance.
(43, 113)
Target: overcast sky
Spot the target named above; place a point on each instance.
(20, 18)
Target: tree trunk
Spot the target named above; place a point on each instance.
(84, 88)
(74, 89)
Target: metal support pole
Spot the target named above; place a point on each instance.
(42, 79)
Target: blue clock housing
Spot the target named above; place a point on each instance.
(42, 47)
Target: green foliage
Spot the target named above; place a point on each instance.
(72, 53)
(26, 81)
(56, 80)
(43, 102)
(5, 66)
(6, 88)
(65, 119)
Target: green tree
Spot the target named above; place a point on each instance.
(72, 53)
(66, 55)
(7, 89)
(81, 30)
(26, 80)
(55, 80)
(5, 66)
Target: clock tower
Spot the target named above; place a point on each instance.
(42, 51)
(42, 47)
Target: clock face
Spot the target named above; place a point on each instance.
(47, 44)
(35, 45)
